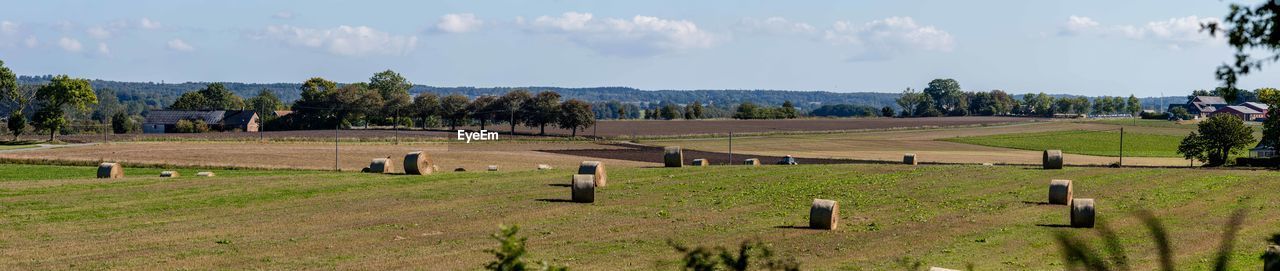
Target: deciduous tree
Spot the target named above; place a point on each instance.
(63, 91)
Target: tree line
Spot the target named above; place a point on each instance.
(944, 97)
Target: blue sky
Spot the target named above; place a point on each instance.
(1078, 47)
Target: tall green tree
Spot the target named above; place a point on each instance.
(8, 84)
(315, 108)
(482, 109)
(1134, 106)
(909, 100)
(425, 106)
(512, 105)
(669, 111)
(10, 93)
(453, 109)
(356, 102)
(214, 96)
(63, 92)
(265, 104)
(575, 114)
(1271, 126)
(1216, 139)
(542, 110)
(946, 94)
(394, 90)
(120, 123)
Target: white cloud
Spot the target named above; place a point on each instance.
(342, 40)
(31, 42)
(883, 39)
(70, 44)
(102, 48)
(98, 32)
(459, 23)
(1173, 32)
(639, 36)
(284, 15)
(180, 45)
(1077, 25)
(147, 23)
(8, 28)
(775, 25)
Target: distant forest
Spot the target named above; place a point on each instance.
(153, 95)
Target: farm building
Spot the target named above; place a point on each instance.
(1202, 106)
(1243, 112)
(163, 121)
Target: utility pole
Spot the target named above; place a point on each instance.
(395, 125)
(730, 148)
(1122, 146)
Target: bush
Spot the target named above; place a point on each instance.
(1153, 115)
(510, 253)
(188, 126)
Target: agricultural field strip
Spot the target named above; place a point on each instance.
(357, 220)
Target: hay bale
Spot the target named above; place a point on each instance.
(909, 159)
(493, 167)
(751, 162)
(169, 174)
(1271, 258)
(110, 171)
(1082, 213)
(700, 162)
(459, 169)
(988, 164)
(1060, 192)
(596, 170)
(672, 156)
(935, 268)
(1052, 159)
(205, 174)
(544, 167)
(381, 165)
(824, 214)
(584, 188)
(418, 163)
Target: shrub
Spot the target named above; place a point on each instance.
(719, 258)
(511, 252)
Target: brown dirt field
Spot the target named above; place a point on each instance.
(606, 129)
(891, 145)
(300, 155)
(627, 128)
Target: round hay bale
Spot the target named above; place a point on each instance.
(544, 167)
(700, 162)
(584, 188)
(909, 159)
(751, 162)
(596, 170)
(110, 171)
(935, 268)
(169, 174)
(381, 165)
(1060, 192)
(493, 167)
(672, 156)
(205, 174)
(1082, 213)
(1052, 159)
(418, 163)
(824, 214)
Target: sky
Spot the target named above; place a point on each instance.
(1088, 47)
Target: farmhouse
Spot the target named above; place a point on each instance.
(1243, 112)
(1202, 106)
(163, 121)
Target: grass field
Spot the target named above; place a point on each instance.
(14, 147)
(1097, 143)
(57, 217)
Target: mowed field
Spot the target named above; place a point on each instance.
(57, 217)
(351, 156)
(937, 146)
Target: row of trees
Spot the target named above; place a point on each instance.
(944, 97)
(51, 103)
(385, 101)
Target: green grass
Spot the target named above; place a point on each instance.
(938, 215)
(1144, 123)
(1099, 143)
(14, 147)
